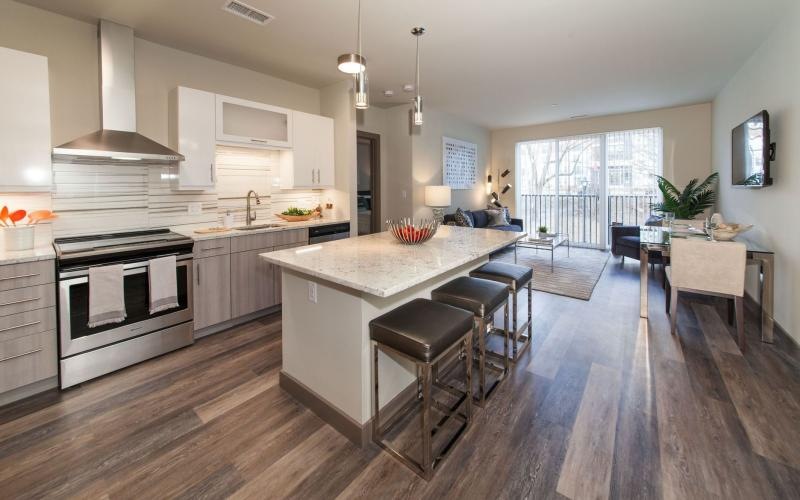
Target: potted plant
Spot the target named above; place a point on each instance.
(21, 237)
(543, 232)
(695, 198)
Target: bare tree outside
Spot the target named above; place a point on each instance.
(560, 181)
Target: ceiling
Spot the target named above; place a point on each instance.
(500, 64)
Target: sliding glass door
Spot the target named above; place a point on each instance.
(579, 185)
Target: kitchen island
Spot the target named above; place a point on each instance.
(330, 293)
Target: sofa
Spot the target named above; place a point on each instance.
(480, 219)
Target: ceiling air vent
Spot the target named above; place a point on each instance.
(250, 13)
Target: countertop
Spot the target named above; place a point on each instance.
(233, 233)
(380, 265)
(39, 252)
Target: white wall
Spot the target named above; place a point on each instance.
(769, 80)
(687, 140)
(426, 157)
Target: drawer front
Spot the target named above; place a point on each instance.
(27, 299)
(27, 359)
(27, 323)
(211, 248)
(268, 240)
(27, 274)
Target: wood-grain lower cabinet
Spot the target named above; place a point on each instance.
(212, 290)
(252, 282)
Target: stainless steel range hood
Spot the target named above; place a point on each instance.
(118, 140)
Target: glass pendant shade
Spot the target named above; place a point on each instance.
(418, 110)
(352, 64)
(361, 90)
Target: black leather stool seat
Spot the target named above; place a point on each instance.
(511, 274)
(421, 329)
(473, 294)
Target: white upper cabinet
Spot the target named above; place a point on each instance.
(193, 135)
(310, 163)
(245, 122)
(25, 150)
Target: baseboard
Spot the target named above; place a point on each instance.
(225, 325)
(28, 390)
(359, 434)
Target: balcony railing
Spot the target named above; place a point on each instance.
(580, 215)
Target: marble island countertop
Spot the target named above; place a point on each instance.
(282, 225)
(380, 265)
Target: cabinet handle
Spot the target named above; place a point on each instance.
(198, 274)
(20, 355)
(20, 326)
(259, 140)
(20, 302)
(211, 171)
(212, 248)
(20, 276)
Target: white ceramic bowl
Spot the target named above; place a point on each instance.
(729, 231)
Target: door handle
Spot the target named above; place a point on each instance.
(20, 326)
(23, 354)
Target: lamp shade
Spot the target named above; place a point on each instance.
(437, 196)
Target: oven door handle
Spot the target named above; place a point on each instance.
(142, 266)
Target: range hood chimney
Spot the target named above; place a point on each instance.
(117, 141)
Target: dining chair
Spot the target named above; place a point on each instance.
(708, 268)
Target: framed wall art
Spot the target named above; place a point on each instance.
(459, 163)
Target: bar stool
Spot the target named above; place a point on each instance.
(515, 277)
(425, 332)
(482, 298)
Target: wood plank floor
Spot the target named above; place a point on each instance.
(604, 405)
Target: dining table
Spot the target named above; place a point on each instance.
(658, 239)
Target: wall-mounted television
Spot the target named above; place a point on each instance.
(752, 153)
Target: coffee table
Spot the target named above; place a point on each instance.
(548, 243)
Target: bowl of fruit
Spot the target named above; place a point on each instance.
(409, 233)
(294, 214)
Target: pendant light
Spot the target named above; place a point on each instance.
(418, 32)
(354, 63)
(361, 82)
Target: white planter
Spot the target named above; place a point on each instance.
(19, 238)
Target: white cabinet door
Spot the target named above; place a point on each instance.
(246, 122)
(310, 163)
(25, 151)
(195, 139)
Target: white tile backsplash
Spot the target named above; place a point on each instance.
(105, 197)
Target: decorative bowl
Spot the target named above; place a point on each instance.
(727, 231)
(412, 234)
(297, 218)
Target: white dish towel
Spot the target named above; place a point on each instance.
(106, 295)
(163, 284)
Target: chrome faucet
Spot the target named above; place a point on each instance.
(251, 215)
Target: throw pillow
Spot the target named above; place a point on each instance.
(463, 219)
(506, 214)
(496, 218)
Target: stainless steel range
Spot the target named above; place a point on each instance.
(85, 352)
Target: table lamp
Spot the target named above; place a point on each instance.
(437, 197)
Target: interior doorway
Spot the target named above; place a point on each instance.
(369, 183)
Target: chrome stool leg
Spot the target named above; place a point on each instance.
(425, 381)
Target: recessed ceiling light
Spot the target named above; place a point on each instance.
(388, 93)
(573, 117)
(555, 105)
(408, 87)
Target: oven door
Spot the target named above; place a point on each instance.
(73, 299)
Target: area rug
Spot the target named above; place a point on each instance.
(574, 276)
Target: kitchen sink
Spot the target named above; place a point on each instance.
(257, 226)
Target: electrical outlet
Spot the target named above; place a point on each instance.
(312, 292)
(195, 208)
